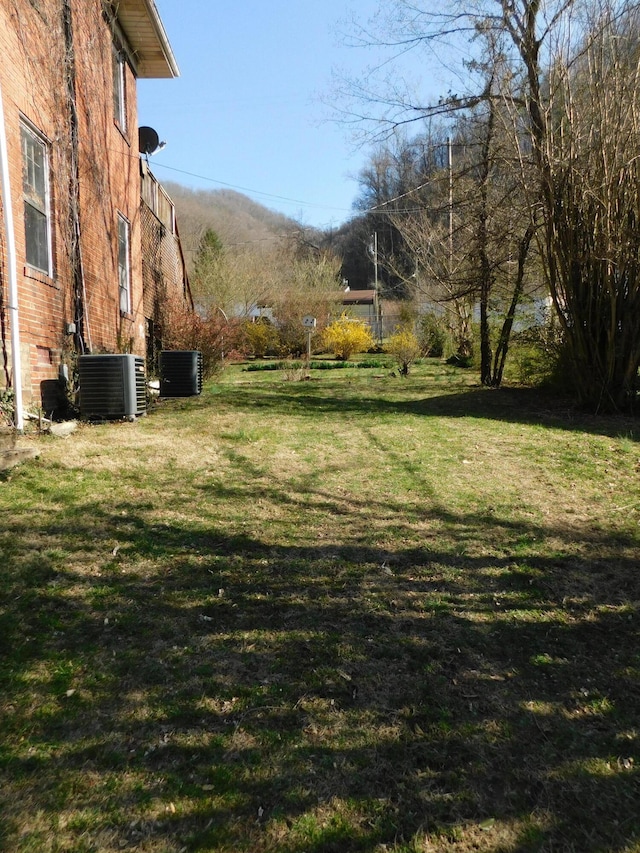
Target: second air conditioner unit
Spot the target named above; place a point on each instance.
(180, 373)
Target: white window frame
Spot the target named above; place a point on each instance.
(124, 264)
(36, 199)
(119, 88)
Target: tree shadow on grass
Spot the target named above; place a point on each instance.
(509, 405)
(194, 689)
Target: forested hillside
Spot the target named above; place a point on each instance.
(235, 217)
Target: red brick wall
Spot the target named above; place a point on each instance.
(33, 86)
(163, 270)
(164, 273)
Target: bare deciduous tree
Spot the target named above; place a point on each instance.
(574, 99)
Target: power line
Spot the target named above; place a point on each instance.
(249, 189)
(378, 208)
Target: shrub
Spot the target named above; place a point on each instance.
(294, 372)
(458, 360)
(7, 407)
(346, 336)
(318, 365)
(260, 338)
(432, 335)
(539, 357)
(184, 329)
(404, 346)
(292, 336)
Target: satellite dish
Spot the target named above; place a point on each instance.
(148, 140)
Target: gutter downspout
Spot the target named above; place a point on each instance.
(5, 185)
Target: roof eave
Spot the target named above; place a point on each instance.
(142, 24)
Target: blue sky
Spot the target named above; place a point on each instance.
(246, 112)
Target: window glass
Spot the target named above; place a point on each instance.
(124, 277)
(36, 202)
(37, 238)
(119, 104)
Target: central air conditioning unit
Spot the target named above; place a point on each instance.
(112, 386)
(180, 373)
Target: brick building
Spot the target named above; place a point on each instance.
(164, 271)
(84, 240)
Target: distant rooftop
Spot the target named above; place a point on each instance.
(358, 297)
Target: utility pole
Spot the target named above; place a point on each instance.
(378, 307)
(450, 207)
(375, 260)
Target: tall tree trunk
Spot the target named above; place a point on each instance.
(486, 277)
(502, 347)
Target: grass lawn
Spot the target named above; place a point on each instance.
(354, 613)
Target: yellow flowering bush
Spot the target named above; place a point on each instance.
(346, 336)
(404, 346)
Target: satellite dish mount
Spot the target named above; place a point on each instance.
(149, 141)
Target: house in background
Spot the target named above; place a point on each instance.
(86, 244)
(365, 305)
